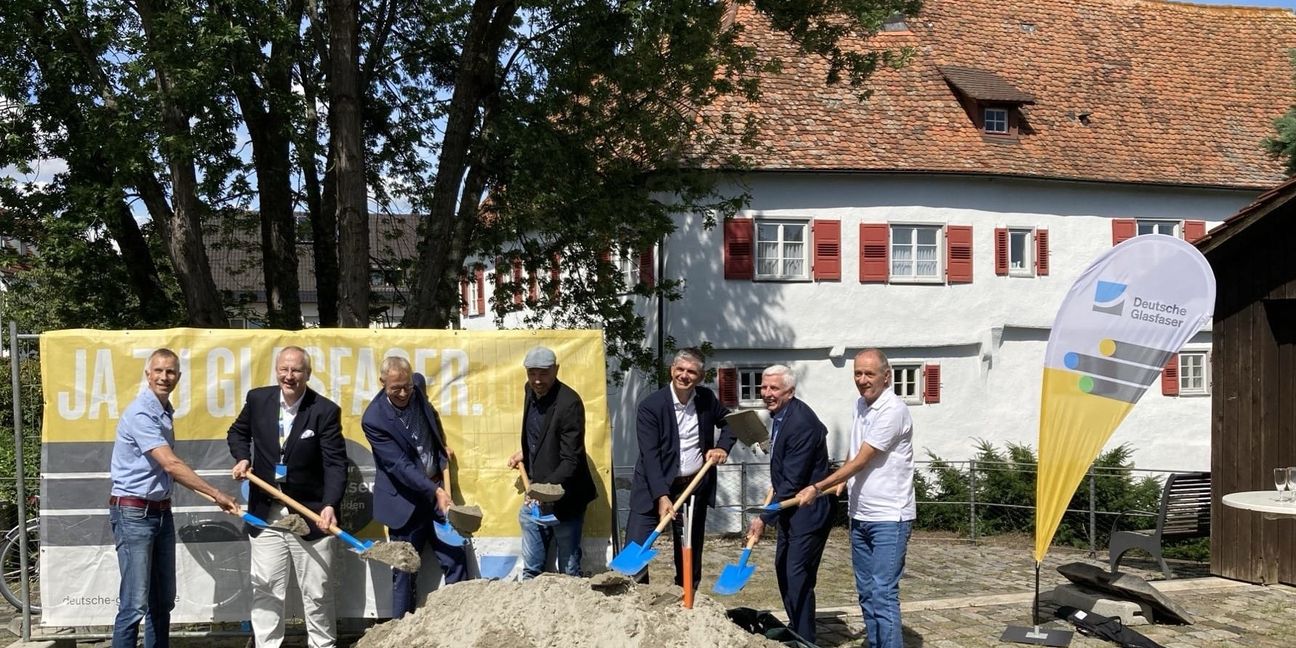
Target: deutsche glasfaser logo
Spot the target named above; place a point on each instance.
(1109, 298)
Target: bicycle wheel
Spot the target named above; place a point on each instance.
(11, 566)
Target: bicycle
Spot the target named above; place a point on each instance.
(11, 565)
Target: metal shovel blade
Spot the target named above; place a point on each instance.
(634, 556)
(734, 577)
(255, 521)
(495, 567)
(546, 519)
(447, 534)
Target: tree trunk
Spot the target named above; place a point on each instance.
(184, 239)
(320, 210)
(433, 295)
(346, 136)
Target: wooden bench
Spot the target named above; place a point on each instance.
(1185, 513)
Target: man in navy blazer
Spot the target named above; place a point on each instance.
(553, 452)
(798, 458)
(409, 451)
(676, 428)
(290, 436)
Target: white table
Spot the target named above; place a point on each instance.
(1263, 501)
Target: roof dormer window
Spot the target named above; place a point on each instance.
(895, 23)
(996, 121)
(992, 103)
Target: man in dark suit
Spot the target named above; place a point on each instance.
(553, 452)
(291, 436)
(409, 452)
(676, 428)
(798, 458)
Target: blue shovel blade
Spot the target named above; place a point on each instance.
(546, 519)
(447, 534)
(734, 577)
(634, 556)
(495, 567)
(255, 521)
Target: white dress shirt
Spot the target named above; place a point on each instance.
(690, 441)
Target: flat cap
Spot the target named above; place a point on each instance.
(540, 358)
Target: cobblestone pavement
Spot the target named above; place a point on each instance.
(956, 595)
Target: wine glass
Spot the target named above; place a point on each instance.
(1280, 481)
(1291, 481)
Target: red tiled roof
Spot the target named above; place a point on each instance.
(1172, 93)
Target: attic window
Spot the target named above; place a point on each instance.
(996, 121)
(895, 23)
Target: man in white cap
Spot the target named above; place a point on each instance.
(553, 452)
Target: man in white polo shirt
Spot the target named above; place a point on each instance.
(881, 496)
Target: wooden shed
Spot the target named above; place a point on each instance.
(1253, 392)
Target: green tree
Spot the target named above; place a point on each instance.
(546, 133)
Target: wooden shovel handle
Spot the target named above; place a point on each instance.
(292, 503)
(526, 483)
(769, 497)
(688, 490)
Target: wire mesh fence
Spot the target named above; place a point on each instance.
(971, 500)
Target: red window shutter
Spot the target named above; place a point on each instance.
(739, 255)
(555, 276)
(501, 277)
(1041, 252)
(1123, 229)
(480, 277)
(827, 250)
(533, 286)
(958, 253)
(1170, 377)
(1193, 230)
(647, 270)
(727, 379)
(517, 282)
(1001, 251)
(875, 252)
(463, 297)
(931, 383)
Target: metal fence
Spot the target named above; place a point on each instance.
(969, 501)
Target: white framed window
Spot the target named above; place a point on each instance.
(1167, 227)
(996, 120)
(916, 253)
(1194, 373)
(905, 380)
(749, 381)
(781, 250)
(1021, 252)
(628, 267)
(238, 323)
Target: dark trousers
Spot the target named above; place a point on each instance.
(796, 562)
(418, 532)
(640, 525)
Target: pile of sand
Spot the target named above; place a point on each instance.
(561, 611)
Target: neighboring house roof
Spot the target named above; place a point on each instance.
(235, 255)
(1139, 91)
(1245, 217)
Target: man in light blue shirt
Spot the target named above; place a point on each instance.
(143, 469)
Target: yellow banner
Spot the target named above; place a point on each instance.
(475, 380)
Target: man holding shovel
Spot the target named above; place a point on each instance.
(405, 434)
(553, 452)
(291, 436)
(143, 469)
(882, 504)
(798, 458)
(676, 429)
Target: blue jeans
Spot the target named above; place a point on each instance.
(878, 554)
(566, 536)
(145, 542)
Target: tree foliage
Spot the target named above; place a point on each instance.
(541, 133)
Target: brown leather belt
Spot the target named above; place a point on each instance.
(681, 482)
(140, 502)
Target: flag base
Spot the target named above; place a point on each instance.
(1036, 635)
